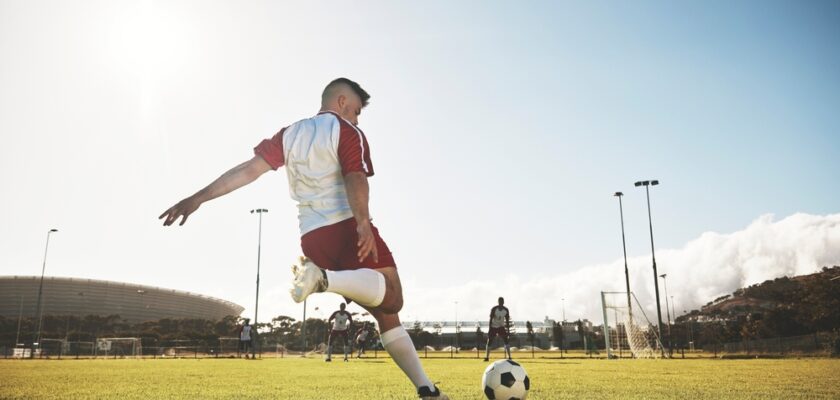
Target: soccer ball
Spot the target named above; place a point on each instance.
(505, 380)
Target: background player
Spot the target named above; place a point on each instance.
(362, 338)
(499, 326)
(340, 320)
(328, 163)
(245, 337)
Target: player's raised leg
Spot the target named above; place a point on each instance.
(365, 286)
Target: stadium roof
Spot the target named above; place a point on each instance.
(82, 297)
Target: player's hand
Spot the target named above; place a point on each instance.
(367, 242)
(183, 210)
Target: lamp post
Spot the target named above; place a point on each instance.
(457, 330)
(563, 307)
(667, 309)
(303, 330)
(647, 185)
(624, 248)
(38, 309)
(259, 211)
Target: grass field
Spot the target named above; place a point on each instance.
(311, 378)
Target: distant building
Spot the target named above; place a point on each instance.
(82, 297)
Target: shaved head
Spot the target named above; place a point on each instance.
(346, 87)
(345, 98)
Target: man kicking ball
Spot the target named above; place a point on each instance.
(499, 324)
(340, 320)
(328, 163)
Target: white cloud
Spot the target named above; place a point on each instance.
(707, 267)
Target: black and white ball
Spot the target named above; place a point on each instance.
(505, 380)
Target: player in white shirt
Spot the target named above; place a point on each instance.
(328, 163)
(341, 321)
(499, 324)
(245, 337)
(362, 338)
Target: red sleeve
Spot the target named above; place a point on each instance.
(353, 150)
(271, 150)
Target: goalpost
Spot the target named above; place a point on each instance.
(631, 329)
(129, 346)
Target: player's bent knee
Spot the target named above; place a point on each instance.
(391, 306)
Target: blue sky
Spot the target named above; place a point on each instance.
(499, 131)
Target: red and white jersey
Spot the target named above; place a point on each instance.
(362, 335)
(341, 320)
(317, 153)
(245, 333)
(499, 316)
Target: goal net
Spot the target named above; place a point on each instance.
(52, 347)
(627, 329)
(119, 347)
(229, 346)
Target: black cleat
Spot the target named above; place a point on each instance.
(427, 394)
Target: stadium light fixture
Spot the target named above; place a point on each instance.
(259, 211)
(647, 185)
(39, 311)
(624, 248)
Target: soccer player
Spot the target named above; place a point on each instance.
(361, 339)
(340, 320)
(499, 324)
(245, 337)
(328, 164)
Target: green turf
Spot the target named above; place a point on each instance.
(312, 378)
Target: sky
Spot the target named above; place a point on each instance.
(499, 132)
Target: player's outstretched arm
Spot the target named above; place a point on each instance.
(358, 195)
(231, 180)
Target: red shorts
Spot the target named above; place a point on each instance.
(335, 333)
(497, 332)
(334, 247)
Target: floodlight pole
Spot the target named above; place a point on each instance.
(39, 311)
(303, 330)
(456, 326)
(259, 211)
(667, 309)
(647, 185)
(20, 318)
(563, 307)
(624, 247)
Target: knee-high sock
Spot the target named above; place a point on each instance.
(398, 344)
(329, 349)
(487, 348)
(507, 350)
(364, 286)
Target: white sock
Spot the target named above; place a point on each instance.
(398, 344)
(364, 286)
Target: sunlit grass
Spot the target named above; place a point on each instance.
(311, 378)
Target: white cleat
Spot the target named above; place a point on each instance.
(309, 278)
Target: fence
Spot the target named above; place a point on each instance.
(815, 343)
